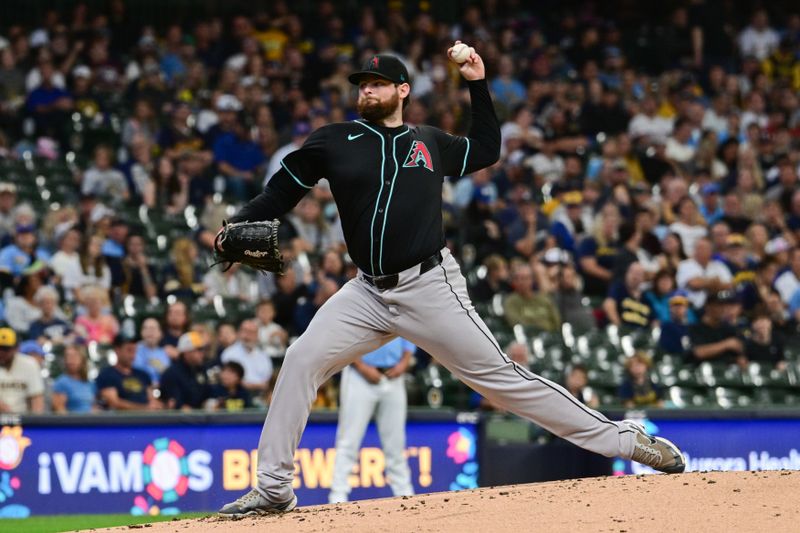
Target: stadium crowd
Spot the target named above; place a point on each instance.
(648, 181)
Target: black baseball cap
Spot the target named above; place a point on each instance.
(384, 66)
(124, 338)
(722, 297)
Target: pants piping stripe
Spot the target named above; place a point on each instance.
(514, 366)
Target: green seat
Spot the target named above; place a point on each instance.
(774, 396)
(727, 398)
(483, 309)
(496, 323)
(792, 353)
(550, 373)
(474, 276)
(681, 396)
(205, 314)
(685, 376)
(719, 375)
(503, 338)
(608, 395)
(454, 393)
(760, 374)
(667, 372)
(610, 376)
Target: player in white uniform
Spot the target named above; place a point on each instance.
(374, 385)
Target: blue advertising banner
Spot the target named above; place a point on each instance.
(760, 444)
(170, 469)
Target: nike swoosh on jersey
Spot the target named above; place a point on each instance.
(352, 137)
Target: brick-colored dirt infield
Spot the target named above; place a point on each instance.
(699, 501)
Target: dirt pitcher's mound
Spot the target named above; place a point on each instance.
(714, 501)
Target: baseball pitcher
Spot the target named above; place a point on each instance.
(386, 179)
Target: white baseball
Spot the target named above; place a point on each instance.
(460, 53)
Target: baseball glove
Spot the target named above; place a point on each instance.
(254, 244)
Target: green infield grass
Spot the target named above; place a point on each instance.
(51, 524)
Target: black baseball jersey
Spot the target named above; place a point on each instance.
(387, 182)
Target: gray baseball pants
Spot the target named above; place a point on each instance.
(433, 311)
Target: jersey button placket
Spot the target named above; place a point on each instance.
(383, 200)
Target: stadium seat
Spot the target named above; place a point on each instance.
(719, 374)
(774, 396)
(606, 394)
(496, 323)
(609, 377)
(682, 397)
(760, 374)
(728, 398)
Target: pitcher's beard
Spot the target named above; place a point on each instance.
(377, 111)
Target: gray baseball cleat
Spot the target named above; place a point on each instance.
(656, 452)
(253, 503)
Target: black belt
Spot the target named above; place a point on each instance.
(390, 281)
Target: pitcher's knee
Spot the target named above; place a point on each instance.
(307, 366)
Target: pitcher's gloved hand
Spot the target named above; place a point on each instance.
(254, 244)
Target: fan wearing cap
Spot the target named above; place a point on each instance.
(21, 383)
(674, 338)
(568, 221)
(87, 100)
(122, 387)
(19, 255)
(714, 338)
(738, 261)
(239, 159)
(227, 110)
(184, 385)
(709, 206)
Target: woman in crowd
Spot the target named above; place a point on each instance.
(97, 323)
(494, 282)
(689, 225)
(332, 267)
(658, 295)
(671, 252)
(93, 265)
(184, 277)
(21, 309)
(138, 274)
(72, 390)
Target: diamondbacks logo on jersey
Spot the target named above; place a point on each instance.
(419, 155)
